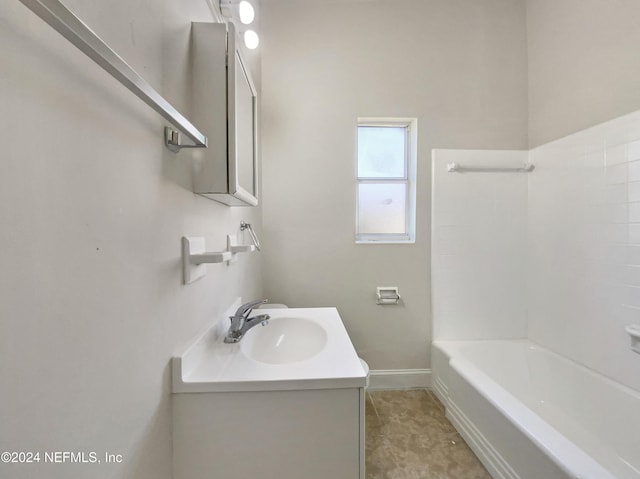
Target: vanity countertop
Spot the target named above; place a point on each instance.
(210, 365)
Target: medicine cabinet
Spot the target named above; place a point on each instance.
(225, 107)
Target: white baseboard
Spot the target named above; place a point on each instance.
(399, 379)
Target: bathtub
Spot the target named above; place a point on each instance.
(529, 413)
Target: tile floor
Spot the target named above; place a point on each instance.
(408, 437)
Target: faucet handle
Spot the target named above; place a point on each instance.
(246, 308)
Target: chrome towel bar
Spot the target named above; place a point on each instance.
(73, 29)
(455, 167)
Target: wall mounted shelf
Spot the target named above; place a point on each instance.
(195, 257)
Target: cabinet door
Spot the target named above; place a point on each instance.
(243, 164)
(225, 109)
(309, 434)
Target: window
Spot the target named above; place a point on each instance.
(386, 189)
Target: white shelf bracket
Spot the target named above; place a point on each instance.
(195, 257)
(234, 248)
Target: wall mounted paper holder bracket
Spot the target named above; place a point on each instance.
(634, 332)
(387, 295)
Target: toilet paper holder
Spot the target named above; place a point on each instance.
(387, 295)
(633, 330)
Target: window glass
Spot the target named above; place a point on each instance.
(386, 180)
(381, 152)
(382, 208)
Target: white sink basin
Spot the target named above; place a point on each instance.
(301, 348)
(284, 340)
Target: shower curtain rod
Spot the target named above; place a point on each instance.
(455, 167)
(61, 19)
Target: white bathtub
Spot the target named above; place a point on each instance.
(529, 413)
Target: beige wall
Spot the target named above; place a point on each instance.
(583, 64)
(92, 209)
(459, 66)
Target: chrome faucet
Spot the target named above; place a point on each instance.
(241, 322)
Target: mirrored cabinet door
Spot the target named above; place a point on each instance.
(225, 107)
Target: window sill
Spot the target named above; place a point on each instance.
(385, 241)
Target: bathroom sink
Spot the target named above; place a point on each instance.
(284, 340)
(300, 348)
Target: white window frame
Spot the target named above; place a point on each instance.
(411, 161)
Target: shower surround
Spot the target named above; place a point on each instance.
(552, 256)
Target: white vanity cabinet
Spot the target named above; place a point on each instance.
(309, 434)
(236, 417)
